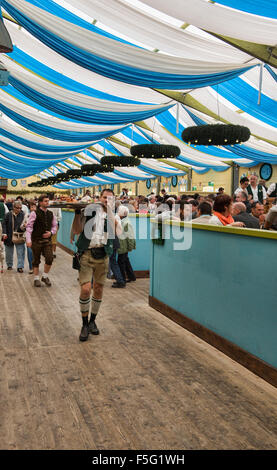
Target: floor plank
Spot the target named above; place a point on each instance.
(143, 383)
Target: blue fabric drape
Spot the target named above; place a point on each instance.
(39, 146)
(255, 7)
(271, 71)
(36, 156)
(116, 70)
(59, 79)
(80, 114)
(55, 133)
(245, 97)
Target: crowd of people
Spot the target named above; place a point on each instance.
(30, 227)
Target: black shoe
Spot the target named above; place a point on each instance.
(119, 284)
(93, 328)
(9, 268)
(84, 333)
(19, 270)
(131, 280)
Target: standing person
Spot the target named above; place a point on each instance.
(1, 250)
(24, 207)
(256, 191)
(244, 182)
(11, 226)
(127, 243)
(87, 197)
(32, 208)
(39, 230)
(3, 210)
(57, 212)
(272, 190)
(97, 227)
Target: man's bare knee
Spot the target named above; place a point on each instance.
(85, 290)
(98, 290)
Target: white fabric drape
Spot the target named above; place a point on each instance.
(219, 19)
(39, 51)
(71, 97)
(11, 127)
(140, 26)
(227, 111)
(47, 120)
(119, 52)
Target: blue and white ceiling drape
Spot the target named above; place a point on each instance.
(71, 92)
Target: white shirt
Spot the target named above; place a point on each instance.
(271, 189)
(25, 209)
(86, 198)
(99, 237)
(255, 193)
(239, 190)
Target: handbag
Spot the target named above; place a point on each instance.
(18, 238)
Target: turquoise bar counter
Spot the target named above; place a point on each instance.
(221, 285)
(140, 258)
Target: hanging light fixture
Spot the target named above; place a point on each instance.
(115, 161)
(92, 169)
(155, 151)
(215, 134)
(74, 173)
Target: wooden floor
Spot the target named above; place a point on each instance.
(143, 383)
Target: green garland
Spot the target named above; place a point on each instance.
(74, 173)
(120, 161)
(215, 134)
(155, 151)
(92, 169)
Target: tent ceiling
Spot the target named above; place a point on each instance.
(72, 100)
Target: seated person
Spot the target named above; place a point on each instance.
(257, 209)
(240, 215)
(222, 212)
(204, 213)
(242, 197)
(271, 218)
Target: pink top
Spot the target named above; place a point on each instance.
(30, 225)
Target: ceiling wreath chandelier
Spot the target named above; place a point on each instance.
(93, 168)
(155, 151)
(216, 134)
(121, 161)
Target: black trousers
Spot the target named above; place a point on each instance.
(126, 267)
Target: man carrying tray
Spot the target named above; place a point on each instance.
(96, 226)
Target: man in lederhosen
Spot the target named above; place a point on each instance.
(97, 227)
(41, 226)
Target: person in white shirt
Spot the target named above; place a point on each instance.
(87, 197)
(96, 230)
(272, 190)
(244, 182)
(256, 191)
(58, 214)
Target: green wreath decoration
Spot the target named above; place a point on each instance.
(155, 151)
(92, 169)
(216, 134)
(73, 173)
(120, 161)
